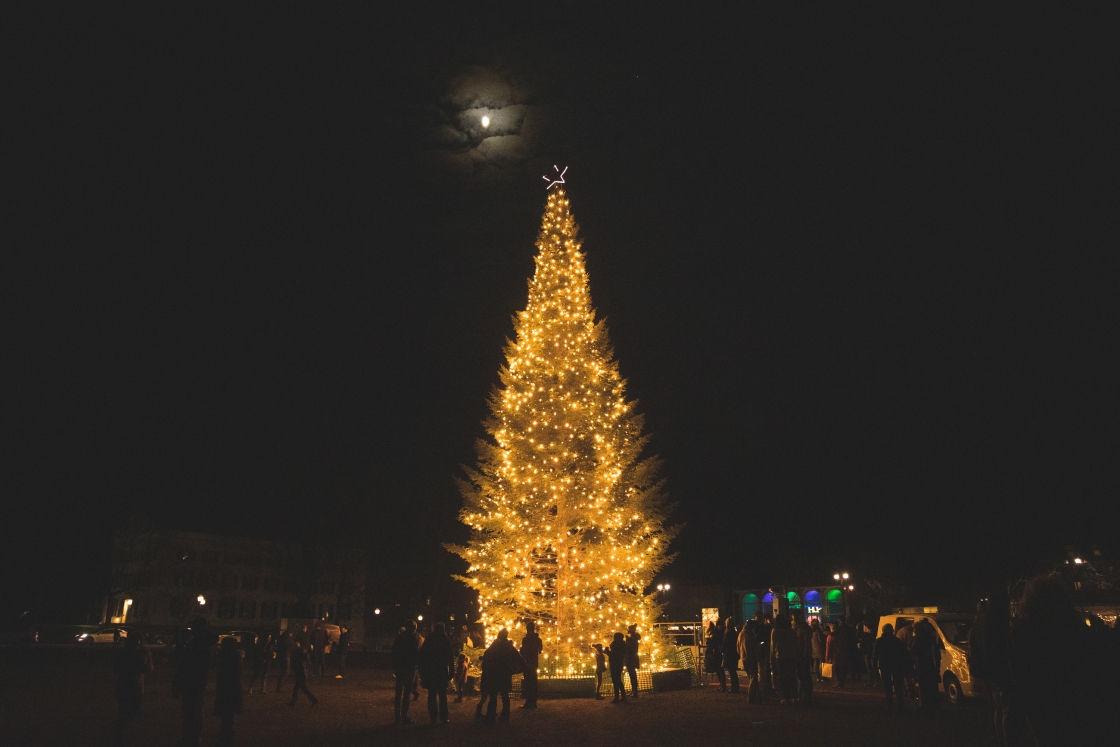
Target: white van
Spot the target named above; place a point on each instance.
(953, 630)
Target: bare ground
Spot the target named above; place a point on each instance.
(60, 696)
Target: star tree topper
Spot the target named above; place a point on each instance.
(559, 180)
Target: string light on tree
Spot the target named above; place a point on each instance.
(567, 518)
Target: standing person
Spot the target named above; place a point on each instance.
(132, 665)
(818, 649)
(342, 649)
(633, 662)
(319, 638)
(866, 652)
(461, 668)
(731, 654)
(989, 665)
(531, 647)
(838, 652)
(616, 654)
(435, 661)
(600, 667)
(713, 655)
(406, 649)
(300, 659)
(260, 658)
(783, 651)
(905, 633)
(190, 679)
(303, 638)
(803, 637)
(926, 653)
(748, 652)
(283, 659)
(891, 659)
(504, 662)
(764, 669)
(416, 672)
(227, 700)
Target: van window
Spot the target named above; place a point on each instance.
(955, 631)
(902, 622)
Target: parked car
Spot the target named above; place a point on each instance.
(104, 635)
(953, 631)
(18, 634)
(243, 637)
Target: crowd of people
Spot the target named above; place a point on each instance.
(1049, 677)
(434, 659)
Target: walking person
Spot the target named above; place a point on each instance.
(892, 661)
(748, 653)
(531, 647)
(435, 662)
(803, 637)
(406, 650)
(600, 668)
(260, 659)
(616, 655)
(504, 662)
(342, 650)
(731, 655)
(132, 666)
(191, 675)
(227, 700)
(633, 662)
(300, 659)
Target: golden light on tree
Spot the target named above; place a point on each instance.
(566, 517)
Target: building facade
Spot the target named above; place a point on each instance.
(824, 603)
(161, 580)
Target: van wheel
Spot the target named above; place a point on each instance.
(953, 689)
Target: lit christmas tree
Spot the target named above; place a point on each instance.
(567, 520)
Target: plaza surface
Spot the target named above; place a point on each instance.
(62, 696)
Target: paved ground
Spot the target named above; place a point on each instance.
(64, 696)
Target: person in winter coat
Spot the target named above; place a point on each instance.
(502, 662)
(783, 650)
(804, 661)
(300, 663)
(731, 654)
(892, 661)
(342, 650)
(191, 674)
(406, 650)
(435, 661)
(616, 655)
(227, 700)
(318, 651)
(633, 661)
(818, 648)
(531, 647)
(838, 652)
(260, 658)
(713, 654)
(765, 674)
(132, 666)
(600, 668)
(866, 640)
(926, 654)
(748, 655)
(284, 645)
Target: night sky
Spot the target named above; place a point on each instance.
(858, 267)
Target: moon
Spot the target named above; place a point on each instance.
(485, 122)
